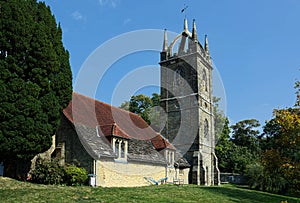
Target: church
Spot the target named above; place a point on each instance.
(120, 149)
(116, 146)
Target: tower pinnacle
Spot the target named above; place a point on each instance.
(206, 45)
(194, 32)
(165, 43)
(185, 26)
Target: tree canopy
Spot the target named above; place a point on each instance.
(35, 78)
(141, 105)
(220, 119)
(278, 170)
(281, 156)
(245, 133)
(144, 106)
(297, 87)
(240, 149)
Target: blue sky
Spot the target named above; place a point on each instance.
(255, 44)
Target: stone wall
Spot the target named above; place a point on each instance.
(185, 175)
(117, 174)
(45, 155)
(73, 152)
(233, 178)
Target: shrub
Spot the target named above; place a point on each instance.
(254, 175)
(47, 172)
(259, 178)
(75, 175)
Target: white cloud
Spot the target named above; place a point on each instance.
(78, 16)
(126, 21)
(110, 3)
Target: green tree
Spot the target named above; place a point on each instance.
(235, 153)
(297, 87)
(154, 113)
(279, 167)
(240, 157)
(245, 133)
(144, 106)
(125, 105)
(35, 79)
(220, 119)
(141, 104)
(281, 157)
(223, 147)
(155, 99)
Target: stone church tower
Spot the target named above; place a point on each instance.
(186, 98)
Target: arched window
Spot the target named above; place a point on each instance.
(117, 148)
(120, 148)
(205, 128)
(204, 79)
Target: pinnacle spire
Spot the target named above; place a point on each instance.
(194, 32)
(165, 43)
(185, 25)
(206, 44)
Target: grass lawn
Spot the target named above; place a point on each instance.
(15, 191)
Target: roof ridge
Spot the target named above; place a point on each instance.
(95, 100)
(107, 124)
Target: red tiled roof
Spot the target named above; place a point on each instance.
(113, 129)
(111, 120)
(160, 143)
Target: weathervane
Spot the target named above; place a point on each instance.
(184, 8)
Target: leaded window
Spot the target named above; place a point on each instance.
(205, 128)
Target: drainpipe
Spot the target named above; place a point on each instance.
(95, 170)
(167, 175)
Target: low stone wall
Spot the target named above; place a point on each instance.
(233, 178)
